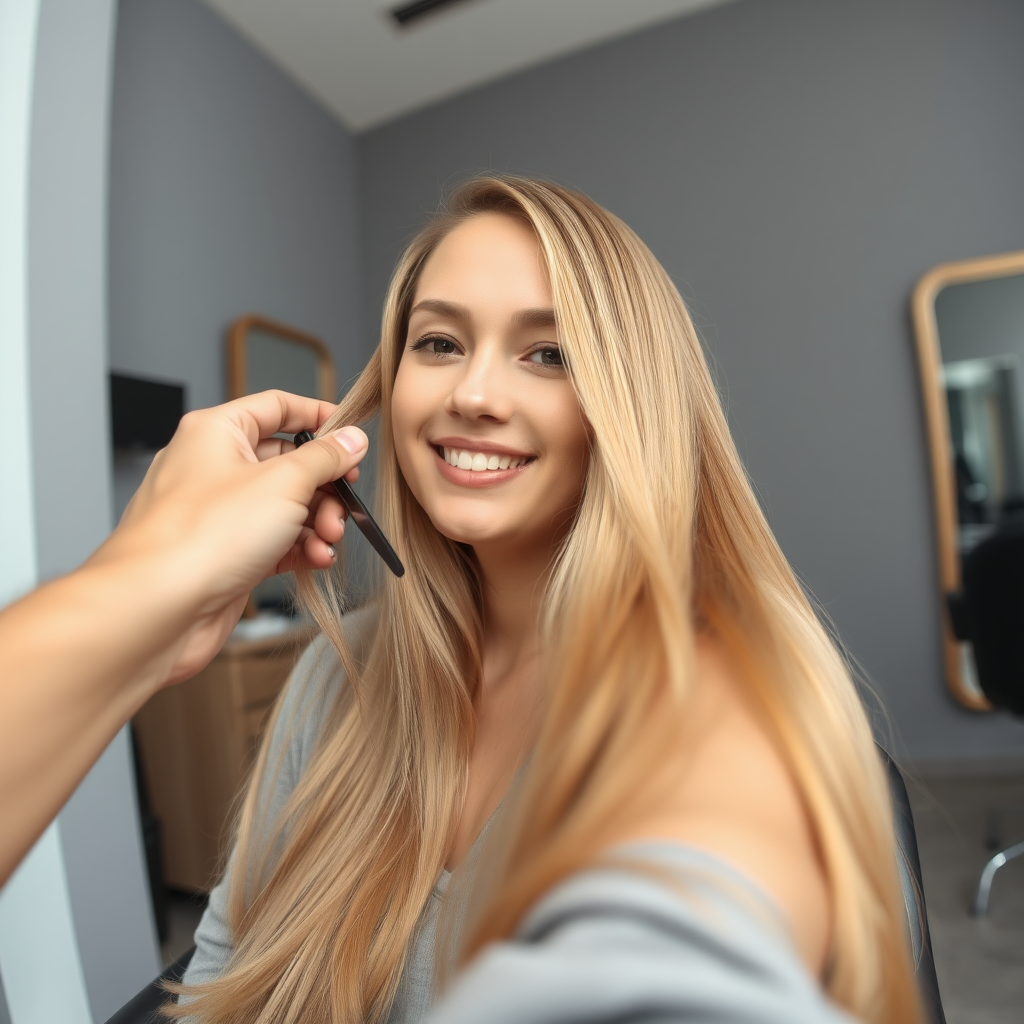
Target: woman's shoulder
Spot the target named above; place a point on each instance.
(653, 929)
(728, 789)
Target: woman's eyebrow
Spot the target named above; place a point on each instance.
(450, 310)
(525, 318)
(534, 318)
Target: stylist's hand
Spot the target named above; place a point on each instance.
(225, 505)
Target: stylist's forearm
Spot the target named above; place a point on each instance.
(59, 669)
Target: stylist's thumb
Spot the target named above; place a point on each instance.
(331, 456)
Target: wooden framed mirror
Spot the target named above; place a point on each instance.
(264, 354)
(969, 325)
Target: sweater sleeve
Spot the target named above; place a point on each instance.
(681, 938)
(309, 694)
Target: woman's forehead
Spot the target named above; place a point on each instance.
(490, 257)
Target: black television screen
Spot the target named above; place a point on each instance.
(144, 413)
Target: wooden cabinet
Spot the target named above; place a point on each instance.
(197, 742)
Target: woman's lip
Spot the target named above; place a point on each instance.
(467, 444)
(469, 478)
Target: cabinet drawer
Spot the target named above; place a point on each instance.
(261, 678)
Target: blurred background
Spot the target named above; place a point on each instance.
(201, 199)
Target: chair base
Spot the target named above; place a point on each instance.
(988, 873)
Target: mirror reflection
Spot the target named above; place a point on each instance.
(981, 338)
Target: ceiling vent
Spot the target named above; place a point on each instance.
(408, 14)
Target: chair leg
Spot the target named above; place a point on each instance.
(980, 908)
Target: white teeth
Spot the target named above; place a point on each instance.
(477, 462)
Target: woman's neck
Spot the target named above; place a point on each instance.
(513, 591)
(506, 704)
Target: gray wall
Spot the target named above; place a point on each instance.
(67, 312)
(796, 165)
(230, 192)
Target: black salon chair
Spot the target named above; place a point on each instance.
(909, 864)
(143, 1009)
(989, 613)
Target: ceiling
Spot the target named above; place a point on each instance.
(365, 69)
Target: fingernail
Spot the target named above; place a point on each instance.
(332, 552)
(352, 439)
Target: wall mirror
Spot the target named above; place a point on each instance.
(969, 323)
(265, 354)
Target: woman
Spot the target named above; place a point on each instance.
(594, 601)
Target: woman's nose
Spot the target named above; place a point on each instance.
(483, 391)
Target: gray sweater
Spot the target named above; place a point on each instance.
(669, 933)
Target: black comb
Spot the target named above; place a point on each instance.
(360, 515)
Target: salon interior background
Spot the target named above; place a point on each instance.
(795, 164)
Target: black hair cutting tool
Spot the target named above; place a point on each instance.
(361, 516)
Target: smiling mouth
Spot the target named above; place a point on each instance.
(481, 462)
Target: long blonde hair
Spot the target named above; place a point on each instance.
(322, 926)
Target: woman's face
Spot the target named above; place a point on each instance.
(488, 432)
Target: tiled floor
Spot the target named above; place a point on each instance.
(979, 961)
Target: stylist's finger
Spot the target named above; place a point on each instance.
(308, 552)
(328, 519)
(277, 412)
(318, 555)
(324, 459)
(271, 447)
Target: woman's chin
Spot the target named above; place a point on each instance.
(478, 531)
(472, 534)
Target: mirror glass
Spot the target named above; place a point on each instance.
(981, 339)
(273, 361)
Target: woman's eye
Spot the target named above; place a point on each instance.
(436, 344)
(549, 356)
